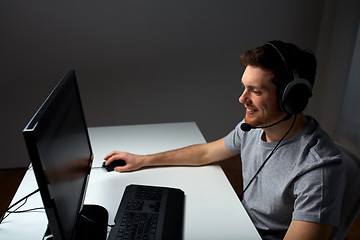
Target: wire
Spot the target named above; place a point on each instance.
(26, 197)
(3, 212)
(96, 222)
(96, 167)
(27, 210)
(271, 153)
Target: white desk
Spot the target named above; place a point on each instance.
(212, 209)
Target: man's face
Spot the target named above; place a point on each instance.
(259, 97)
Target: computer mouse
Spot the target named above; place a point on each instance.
(114, 164)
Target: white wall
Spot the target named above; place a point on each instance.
(139, 61)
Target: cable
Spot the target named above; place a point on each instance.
(95, 222)
(3, 212)
(27, 210)
(13, 205)
(271, 153)
(96, 167)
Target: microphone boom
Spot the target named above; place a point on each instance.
(247, 127)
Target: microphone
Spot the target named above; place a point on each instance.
(247, 127)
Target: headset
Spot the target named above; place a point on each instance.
(294, 95)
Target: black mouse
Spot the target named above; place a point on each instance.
(114, 164)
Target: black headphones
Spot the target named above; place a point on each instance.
(294, 95)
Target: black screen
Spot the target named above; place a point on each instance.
(61, 155)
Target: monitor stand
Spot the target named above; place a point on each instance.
(93, 227)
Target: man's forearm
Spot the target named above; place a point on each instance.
(187, 156)
(195, 155)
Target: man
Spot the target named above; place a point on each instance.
(292, 171)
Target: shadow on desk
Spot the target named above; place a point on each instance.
(232, 169)
(10, 180)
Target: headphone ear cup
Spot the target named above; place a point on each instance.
(295, 96)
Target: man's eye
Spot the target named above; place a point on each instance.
(256, 92)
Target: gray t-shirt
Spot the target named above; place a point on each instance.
(303, 180)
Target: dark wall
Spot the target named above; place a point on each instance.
(138, 61)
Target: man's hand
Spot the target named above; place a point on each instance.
(133, 162)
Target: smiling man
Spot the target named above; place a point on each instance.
(292, 171)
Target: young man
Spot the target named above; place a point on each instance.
(292, 171)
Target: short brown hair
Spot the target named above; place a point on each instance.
(268, 58)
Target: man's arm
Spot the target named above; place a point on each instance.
(307, 231)
(195, 155)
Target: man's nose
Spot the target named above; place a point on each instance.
(243, 98)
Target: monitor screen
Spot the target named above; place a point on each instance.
(60, 152)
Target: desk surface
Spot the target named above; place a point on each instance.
(212, 208)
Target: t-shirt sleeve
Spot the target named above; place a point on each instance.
(233, 139)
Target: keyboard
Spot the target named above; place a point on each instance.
(149, 212)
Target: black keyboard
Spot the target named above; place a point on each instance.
(149, 212)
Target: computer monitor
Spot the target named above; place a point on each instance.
(58, 144)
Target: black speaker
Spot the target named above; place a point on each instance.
(92, 223)
(294, 95)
